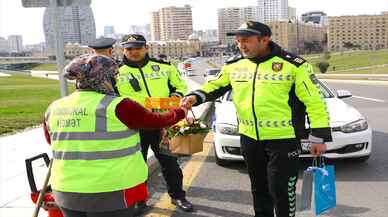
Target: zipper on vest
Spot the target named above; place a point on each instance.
(145, 83)
(253, 101)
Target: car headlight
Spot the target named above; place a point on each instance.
(355, 126)
(227, 129)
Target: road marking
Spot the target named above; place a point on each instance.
(164, 208)
(367, 98)
(361, 82)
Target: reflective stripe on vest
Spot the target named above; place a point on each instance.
(276, 124)
(101, 132)
(98, 155)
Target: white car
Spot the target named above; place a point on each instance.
(352, 136)
(211, 74)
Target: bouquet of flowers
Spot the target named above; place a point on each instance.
(186, 137)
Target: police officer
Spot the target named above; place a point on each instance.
(98, 169)
(272, 89)
(141, 76)
(103, 46)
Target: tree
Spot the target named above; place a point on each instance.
(323, 66)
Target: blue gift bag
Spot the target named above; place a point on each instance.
(324, 189)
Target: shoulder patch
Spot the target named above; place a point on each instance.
(160, 61)
(234, 59)
(292, 58)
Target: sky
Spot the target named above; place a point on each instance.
(16, 20)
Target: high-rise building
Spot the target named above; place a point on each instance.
(367, 32)
(155, 26)
(77, 25)
(249, 13)
(109, 31)
(292, 14)
(294, 36)
(3, 45)
(273, 10)
(318, 17)
(15, 43)
(229, 19)
(172, 23)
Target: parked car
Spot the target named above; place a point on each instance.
(211, 74)
(352, 136)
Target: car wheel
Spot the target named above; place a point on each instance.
(219, 161)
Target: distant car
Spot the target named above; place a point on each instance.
(211, 74)
(352, 136)
(189, 72)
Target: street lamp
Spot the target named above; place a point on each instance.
(56, 7)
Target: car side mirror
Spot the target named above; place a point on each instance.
(343, 94)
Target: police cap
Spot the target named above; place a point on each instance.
(133, 40)
(102, 43)
(252, 28)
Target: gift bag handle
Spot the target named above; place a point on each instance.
(192, 114)
(319, 161)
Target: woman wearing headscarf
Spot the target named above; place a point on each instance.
(98, 169)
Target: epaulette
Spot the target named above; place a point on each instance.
(160, 61)
(234, 59)
(292, 58)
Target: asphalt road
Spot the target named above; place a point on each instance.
(362, 188)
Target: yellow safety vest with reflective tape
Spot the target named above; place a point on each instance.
(155, 79)
(271, 96)
(93, 150)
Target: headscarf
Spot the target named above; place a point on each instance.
(93, 72)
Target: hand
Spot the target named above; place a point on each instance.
(184, 109)
(190, 120)
(317, 148)
(188, 101)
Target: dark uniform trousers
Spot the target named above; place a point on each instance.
(273, 170)
(171, 171)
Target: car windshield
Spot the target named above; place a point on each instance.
(213, 72)
(324, 89)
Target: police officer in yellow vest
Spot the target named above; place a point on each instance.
(98, 169)
(272, 90)
(139, 77)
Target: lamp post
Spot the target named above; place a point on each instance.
(57, 7)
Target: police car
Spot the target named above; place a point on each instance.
(352, 136)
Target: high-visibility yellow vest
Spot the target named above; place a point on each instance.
(155, 79)
(271, 96)
(93, 150)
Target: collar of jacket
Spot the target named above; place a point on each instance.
(275, 50)
(133, 64)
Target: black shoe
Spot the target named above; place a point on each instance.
(140, 208)
(183, 204)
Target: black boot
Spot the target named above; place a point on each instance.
(183, 204)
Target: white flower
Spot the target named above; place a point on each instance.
(182, 130)
(202, 125)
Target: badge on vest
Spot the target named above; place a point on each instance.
(277, 67)
(156, 68)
